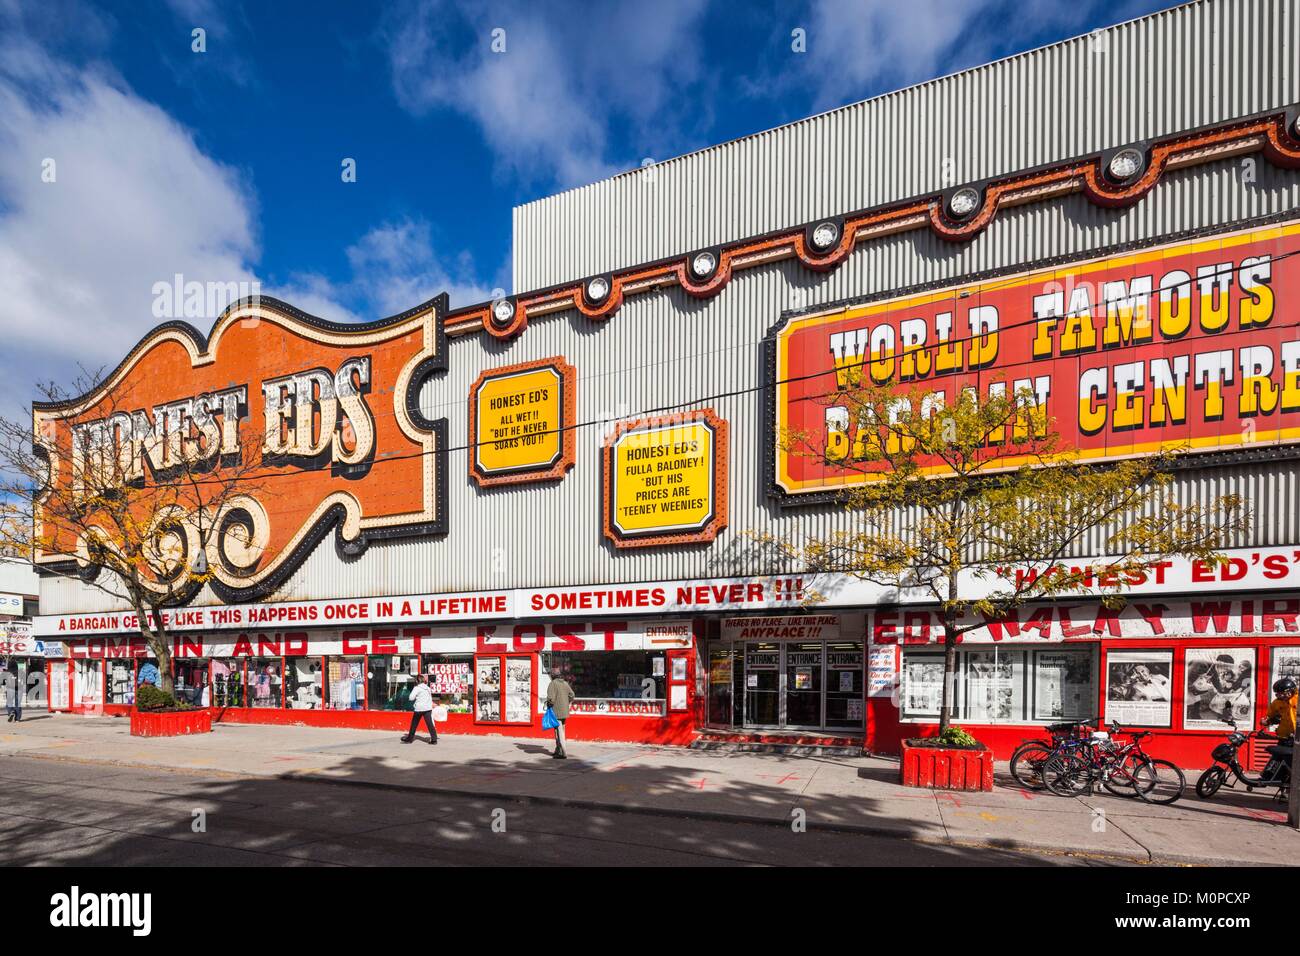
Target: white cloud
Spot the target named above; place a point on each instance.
(546, 104)
(134, 202)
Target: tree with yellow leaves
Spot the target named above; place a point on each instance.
(958, 500)
(96, 513)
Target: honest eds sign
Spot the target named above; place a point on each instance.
(1191, 346)
(318, 422)
(521, 423)
(663, 480)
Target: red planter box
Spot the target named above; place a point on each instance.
(179, 723)
(939, 768)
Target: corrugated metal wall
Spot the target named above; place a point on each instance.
(1187, 67)
(667, 349)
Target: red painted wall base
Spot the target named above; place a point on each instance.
(178, 724)
(941, 769)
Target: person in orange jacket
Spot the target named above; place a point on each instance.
(1282, 710)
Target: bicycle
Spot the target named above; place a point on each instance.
(1124, 771)
(1027, 760)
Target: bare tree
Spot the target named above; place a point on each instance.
(129, 503)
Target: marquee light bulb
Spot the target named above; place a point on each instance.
(964, 202)
(825, 235)
(503, 310)
(1125, 164)
(703, 264)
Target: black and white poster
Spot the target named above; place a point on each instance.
(1139, 689)
(1219, 688)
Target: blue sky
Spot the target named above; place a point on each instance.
(225, 165)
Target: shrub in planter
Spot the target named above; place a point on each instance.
(954, 760)
(153, 699)
(158, 714)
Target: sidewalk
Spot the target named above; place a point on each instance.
(844, 793)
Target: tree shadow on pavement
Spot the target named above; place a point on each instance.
(386, 810)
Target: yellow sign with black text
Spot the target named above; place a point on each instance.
(663, 480)
(519, 423)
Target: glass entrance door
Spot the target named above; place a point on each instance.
(762, 684)
(720, 685)
(803, 685)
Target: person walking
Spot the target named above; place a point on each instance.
(13, 693)
(558, 697)
(421, 707)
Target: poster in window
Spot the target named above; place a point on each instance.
(1286, 663)
(803, 678)
(1219, 688)
(679, 668)
(519, 689)
(882, 671)
(923, 686)
(1138, 687)
(488, 674)
(677, 697)
(1063, 686)
(990, 688)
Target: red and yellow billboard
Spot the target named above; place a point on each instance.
(1191, 346)
(313, 426)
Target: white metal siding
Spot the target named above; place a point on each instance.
(1191, 66)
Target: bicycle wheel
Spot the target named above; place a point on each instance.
(1067, 775)
(1210, 782)
(1027, 763)
(1159, 781)
(1120, 777)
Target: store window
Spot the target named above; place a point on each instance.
(345, 687)
(120, 681)
(451, 678)
(190, 682)
(997, 684)
(302, 683)
(720, 685)
(504, 689)
(228, 682)
(1218, 688)
(148, 673)
(391, 680)
(86, 679)
(762, 684)
(1285, 663)
(266, 682)
(1139, 687)
(610, 682)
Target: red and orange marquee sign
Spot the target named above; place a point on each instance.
(1192, 346)
(319, 421)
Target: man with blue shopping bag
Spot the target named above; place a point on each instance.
(558, 698)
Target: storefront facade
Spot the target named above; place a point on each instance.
(587, 477)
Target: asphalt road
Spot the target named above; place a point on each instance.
(61, 812)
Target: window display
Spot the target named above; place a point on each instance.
(346, 683)
(228, 683)
(610, 682)
(994, 685)
(487, 672)
(1219, 687)
(519, 690)
(265, 682)
(190, 682)
(121, 686)
(1139, 691)
(451, 678)
(997, 684)
(391, 680)
(302, 683)
(148, 673)
(86, 677)
(1063, 685)
(1286, 663)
